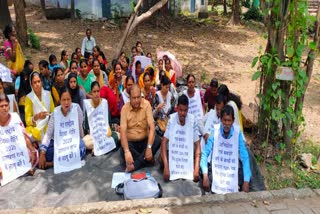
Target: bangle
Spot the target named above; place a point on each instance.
(126, 151)
(34, 151)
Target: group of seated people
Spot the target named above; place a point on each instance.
(82, 106)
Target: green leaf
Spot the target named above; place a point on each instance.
(290, 52)
(256, 75)
(312, 45)
(289, 133)
(254, 61)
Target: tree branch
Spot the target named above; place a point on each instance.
(153, 9)
(138, 6)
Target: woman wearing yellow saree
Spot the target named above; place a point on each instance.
(12, 50)
(38, 107)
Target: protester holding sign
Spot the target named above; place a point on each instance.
(38, 107)
(97, 123)
(196, 104)
(180, 146)
(13, 107)
(62, 146)
(227, 145)
(17, 154)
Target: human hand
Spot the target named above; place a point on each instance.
(41, 115)
(14, 40)
(196, 175)
(42, 160)
(245, 187)
(206, 136)
(0, 173)
(128, 158)
(161, 105)
(166, 174)
(148, 155)
(206, 183)
(33, 157)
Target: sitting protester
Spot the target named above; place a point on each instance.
(125, 96)
(227, 145)
(100, 75)
(211, 94)
(53, 63)
(97, 123)
(85, 78)
(77, 94)
(13, 106)
(180, 146)
(148, 91)
(45, 75)
(12, 132)
(137, 132)
(57, 85)
(63, 137)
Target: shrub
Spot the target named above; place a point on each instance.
(253, 13)
(34, 40)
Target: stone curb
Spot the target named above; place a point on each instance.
(117, 206)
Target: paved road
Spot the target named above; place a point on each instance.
(283, 206)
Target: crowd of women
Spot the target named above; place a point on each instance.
(77, 87)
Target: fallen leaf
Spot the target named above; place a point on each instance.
(266, 202)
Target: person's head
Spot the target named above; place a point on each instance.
(117, 69)
(150, 70)
(124, 63)
(28, 65)
(134, 51)
(74, 57)
(223, 89)
(167, 64)
(122, 55)
(183, 104)
(227, 118)
(90, 59)
(4, 106)
(214, 87)
(95, 91)
(44, 68)
(88, 33)
(35, 81)
(72, 81)
(165, 84)
(1, 87)
(73, 67)
(129, 83)
(146, 80)
(220, 103)
(96, 51)
(53, 59)
(191, 81)
(65, 100)
(160, 64)
(64, 55)
(78, 52)
(149, 55)
(138, 67)
(9, 31)
(139, 46)
(96, 66)
(135, 96)
(84, 67)
(58, 75)
(165, 57)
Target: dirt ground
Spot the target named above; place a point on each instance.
(207, 50)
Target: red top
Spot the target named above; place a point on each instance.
(107, 93)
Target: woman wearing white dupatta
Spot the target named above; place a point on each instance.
(38, 107)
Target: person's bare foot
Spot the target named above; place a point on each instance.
(31, 172)
(130, 168)
(49, 165)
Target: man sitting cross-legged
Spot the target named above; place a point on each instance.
(180, 146)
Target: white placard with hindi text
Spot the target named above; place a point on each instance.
(14, 155)
(5, 74)
(66, 141)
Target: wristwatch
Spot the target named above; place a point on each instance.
(149, 146)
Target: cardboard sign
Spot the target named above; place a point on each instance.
(284, 73)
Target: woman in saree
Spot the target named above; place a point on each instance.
(117, 80)
(148, 91)
(38, 107)
(100, 75)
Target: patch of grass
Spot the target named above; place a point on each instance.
(34, 40)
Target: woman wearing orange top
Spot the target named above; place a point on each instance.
(116, 80)
(152, 72)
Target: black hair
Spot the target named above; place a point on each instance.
(227, 110)
(183, 100)
(27, 63)
(75, 50)
(223, 89)
(1, 82)
(44, 63)
(128, 60)
(83, 61)
(4, 97)
(122, 52)
(72, 62)
(134, 47)
(64, 90)
(88, 29)
(129, 78)
(94, 83)
(138, 63)
(151, 71)
(95, 60)
(7, 31)
(221, 99)
(63, 53)
(214, 83)
(138, 42)
(146, 74)
(98, 48)
(167, 59)
(165, 80)
(148, 54)
(73, 54)
(51, 58)
(115, 65)
(190, 75)
(55, 72)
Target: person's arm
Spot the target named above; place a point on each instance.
(28, 109)
(197, 155)
(55, 96)
(152, 131)
(46, 142)
(164, 157)
(51, 104)
(204, 160)
(83, 46)
(80, 116)
(124, 139)
(12, 51)
(33, 151)
(202, 102)
(245, 159)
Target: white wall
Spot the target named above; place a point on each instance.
(186, 5)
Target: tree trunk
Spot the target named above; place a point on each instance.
(135, 20)
(21, 22)
(72, 10)
(235, 18)
(5, 14)
(225, 7)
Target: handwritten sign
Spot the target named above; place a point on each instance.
(5, 74)
(195, 105)
(66, 141)
(98, 124)
(284, 73)
(225, 162)
(14, 156)
(181, 149)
